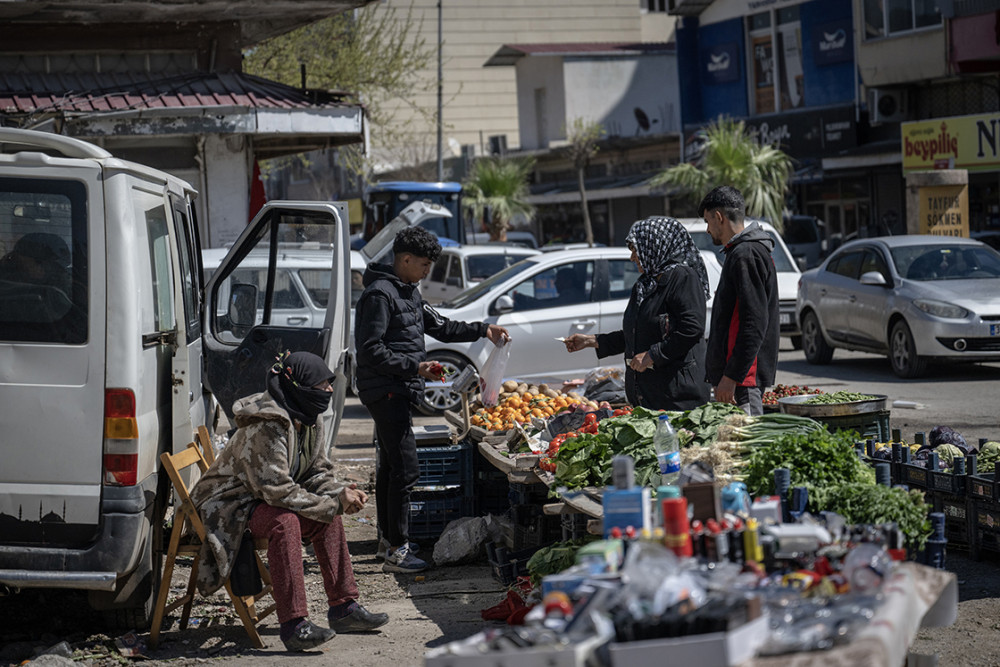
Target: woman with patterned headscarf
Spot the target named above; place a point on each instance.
(663, 328)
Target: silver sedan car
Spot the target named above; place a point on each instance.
(913, 298)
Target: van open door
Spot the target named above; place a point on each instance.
(240, 341)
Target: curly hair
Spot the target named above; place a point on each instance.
(726, 199)
(417, 241)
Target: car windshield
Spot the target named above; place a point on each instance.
(476, 291)
(481, 267)
(946, 262)
(782, 262)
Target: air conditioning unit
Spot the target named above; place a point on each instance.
(887, 105)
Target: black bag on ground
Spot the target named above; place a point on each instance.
(245, 577)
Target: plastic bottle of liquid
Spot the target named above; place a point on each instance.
(667, 451)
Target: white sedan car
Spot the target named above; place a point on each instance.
(913, 298)
(523, 298)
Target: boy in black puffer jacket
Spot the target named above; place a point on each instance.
(390, 321)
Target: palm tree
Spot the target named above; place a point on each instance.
(733, 156)
(496, 191)
(583, 137)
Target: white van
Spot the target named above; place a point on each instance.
(111, 352)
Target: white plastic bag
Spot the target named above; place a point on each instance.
(491, 377)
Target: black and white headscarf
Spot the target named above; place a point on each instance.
(659, 243)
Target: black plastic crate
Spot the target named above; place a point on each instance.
(431, 511)
(492, 491)
(448, 465)
(982, 486)
(867, 424)
(507, 565)
(524, 515)
(574, 525)
(541, 532)
(958, 515)
(946, 482)
(528, 494)
(914, 476)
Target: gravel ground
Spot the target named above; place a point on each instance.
(442, 606)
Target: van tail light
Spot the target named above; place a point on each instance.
(121, 438)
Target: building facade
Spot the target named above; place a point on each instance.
(161, 83)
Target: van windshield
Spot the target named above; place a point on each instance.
(43, 261)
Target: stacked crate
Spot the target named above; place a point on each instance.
(444, 490)
(530, 527)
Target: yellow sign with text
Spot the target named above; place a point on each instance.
(944, 210)
(959, 142)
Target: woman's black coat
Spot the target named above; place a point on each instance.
(670, 324)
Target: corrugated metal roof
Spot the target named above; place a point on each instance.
(508, 54)
(89, 92)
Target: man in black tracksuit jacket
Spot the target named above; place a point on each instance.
(742, 353)
(390, 321)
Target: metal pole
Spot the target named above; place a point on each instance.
(440, 155)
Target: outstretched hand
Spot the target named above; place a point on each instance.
(352, 499)
(641, 362)
(577, 342)
(496, 334)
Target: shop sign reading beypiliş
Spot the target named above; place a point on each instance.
(958, 142)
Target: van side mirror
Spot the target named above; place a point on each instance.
(243, 305)
(453, 281)
(503, 304)
(800, 261)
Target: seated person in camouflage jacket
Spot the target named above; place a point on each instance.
(274, 478)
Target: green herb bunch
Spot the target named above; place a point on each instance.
(816, 460)
(875, 504)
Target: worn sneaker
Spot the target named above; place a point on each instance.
(401, 559)
(308, 635)
(359, 620)
(383, 546)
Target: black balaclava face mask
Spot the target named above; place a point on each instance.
(291, 380)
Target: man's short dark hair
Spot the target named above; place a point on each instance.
(417, 241)
(727, 199)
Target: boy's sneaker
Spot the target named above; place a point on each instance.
(402, 560)
(383, 546)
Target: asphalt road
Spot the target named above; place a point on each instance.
(961, 396)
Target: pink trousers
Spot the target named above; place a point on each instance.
(285, 530)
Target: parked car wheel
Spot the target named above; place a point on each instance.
(813, 344)
(438, 399)
(903, 353)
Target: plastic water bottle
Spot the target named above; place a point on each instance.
(667, 452)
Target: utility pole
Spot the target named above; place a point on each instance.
(440, 82)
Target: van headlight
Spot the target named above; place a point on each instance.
(941, 309)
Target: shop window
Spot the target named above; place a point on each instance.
(775, 42)
(656, 5)
(891, 17)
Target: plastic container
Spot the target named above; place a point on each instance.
(667, 451)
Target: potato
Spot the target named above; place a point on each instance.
(551, 393)
(542, 387)
(575, 396)
(532, 390)
(521, 388)
(510, 386)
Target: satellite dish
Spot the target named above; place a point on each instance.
(641, 118)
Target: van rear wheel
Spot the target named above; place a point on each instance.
(130, 606)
